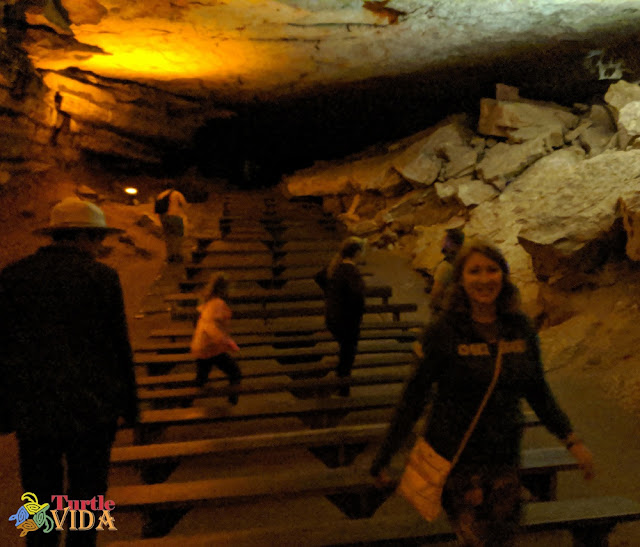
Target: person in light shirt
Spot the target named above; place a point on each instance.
(212, 343)
(481, 496)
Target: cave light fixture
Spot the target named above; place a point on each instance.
(131, 193)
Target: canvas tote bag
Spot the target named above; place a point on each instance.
(426, 471)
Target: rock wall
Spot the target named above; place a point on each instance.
(25, 118)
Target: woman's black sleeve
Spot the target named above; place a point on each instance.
(413, 401)
(540, 397)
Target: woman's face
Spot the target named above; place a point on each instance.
(481, 279)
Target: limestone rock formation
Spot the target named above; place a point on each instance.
(562, 215)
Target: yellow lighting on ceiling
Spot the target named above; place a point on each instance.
(147, 50)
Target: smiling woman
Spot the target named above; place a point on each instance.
(484, 357)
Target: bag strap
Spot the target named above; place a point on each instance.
(485, 400)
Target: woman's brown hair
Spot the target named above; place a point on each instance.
(217, 286)
(508, 300)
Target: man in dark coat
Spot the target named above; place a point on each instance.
(344, 291)
(66, 369)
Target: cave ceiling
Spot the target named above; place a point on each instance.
(265, 48)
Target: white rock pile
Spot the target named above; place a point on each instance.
(557, 188)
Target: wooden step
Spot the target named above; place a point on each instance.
(306, 340)
(300, 329)
(592, 519)
(262, 369)
(190, 313)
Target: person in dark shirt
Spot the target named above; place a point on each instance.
(482, 494)
(66, 367)
(451, 244)
(343, 287)
(174, 221)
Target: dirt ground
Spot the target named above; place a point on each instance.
(591, 358)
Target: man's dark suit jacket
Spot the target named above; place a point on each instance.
(65, 357)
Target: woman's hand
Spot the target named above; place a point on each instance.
(585, 459)
(382, 480)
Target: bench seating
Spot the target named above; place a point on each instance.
(274, 218)
(351, 490)
(279, 361)
(339, 446)
(591, 520)
(245, 341)
(275, 240)
(315, 412)
(254, 353)
(261, 369)
(163, 398)
(171, 451)
(274, 260)
(299, 329)
(190, 313)
(257, 273)
(295, 271)
(155, 361)
(335, 447)
(267, 296)
(268, 258)
(242, 248)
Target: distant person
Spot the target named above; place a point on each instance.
(451, 244)
(212, 342)
(66, 363)
(482, 318)
(344, 288)
(171, 207)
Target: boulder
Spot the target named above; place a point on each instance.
(404, 206)
(421, 162)
(322, 179)
(446, 191)
(460, 160)
(523, 121)
(629, 118)
(472, 192)
(372, 174)
(364, 227)
(596, 140)
(418, 208)
(418, 168)
(568, 212)
(503, 162)
(622, 93)
(377, 175)
(426, 253)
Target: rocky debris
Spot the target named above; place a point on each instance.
(523, 121)
(473, 192)
(572, 227)
(504, 162)
(550, 187)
